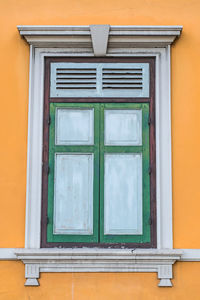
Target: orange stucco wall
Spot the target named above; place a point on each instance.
(14, 68)
(99, 286)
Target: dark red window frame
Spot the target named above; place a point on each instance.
(152, 169)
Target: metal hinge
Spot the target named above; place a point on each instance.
(149, 121)
(49, 120)
(150, 169)
(46, 168)
(47, 220)
(150, 221)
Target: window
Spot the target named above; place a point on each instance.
(99, 153)
(131, 44)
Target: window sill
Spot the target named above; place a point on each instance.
(98, 260)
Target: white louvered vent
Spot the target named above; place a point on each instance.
(68, 78)
(99, 80)
(122, 78)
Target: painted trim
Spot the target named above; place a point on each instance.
(123, 41)
(99, 34)
(187, 254)
(35, 136)
(95, 260)
(8, 253)
(119, 36)
(99, 260)
(163, 130)
(191, 255)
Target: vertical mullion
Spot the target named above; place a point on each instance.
(101, 220)
(96, 173)
(145, 171)
(51, 173)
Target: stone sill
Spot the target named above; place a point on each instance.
(98, 260)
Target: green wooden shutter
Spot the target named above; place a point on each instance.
(73, 182)
(124, 173)
(91, 139)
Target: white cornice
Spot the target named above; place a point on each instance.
(119, 36)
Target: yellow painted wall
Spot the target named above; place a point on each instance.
(99, 286)
(14, 68)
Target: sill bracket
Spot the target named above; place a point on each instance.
(98, 260)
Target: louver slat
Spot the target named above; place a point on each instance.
(99, 80)
(122, 78)
(68, 78)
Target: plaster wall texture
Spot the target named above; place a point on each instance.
(98, 286)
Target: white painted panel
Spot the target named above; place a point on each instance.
(74, 126)
(123, 194)
(123, 127)
(73, 194)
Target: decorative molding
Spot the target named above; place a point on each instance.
(190, 255)
(163, 270)
(98, 260)
(119, 36)
(32, 273)
(8, 253)
(187, 254)
(99, 34)
(163, 130)
(123, 41)
(165, 274)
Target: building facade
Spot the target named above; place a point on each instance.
(99, 184)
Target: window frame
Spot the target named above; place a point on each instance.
(163, 129)
(152, 157)
(75, 41)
